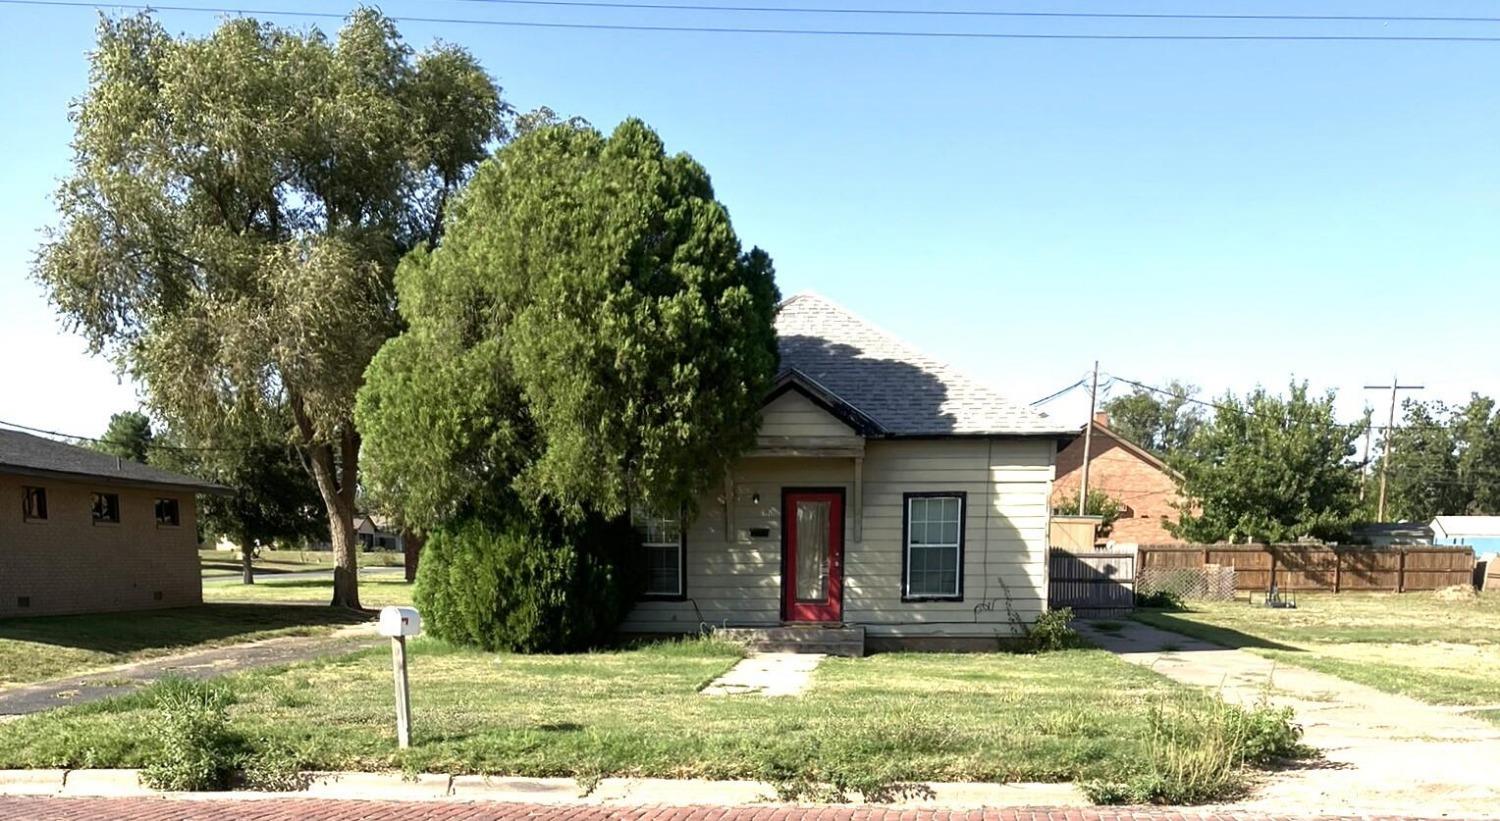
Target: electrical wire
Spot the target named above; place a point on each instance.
(879, 33)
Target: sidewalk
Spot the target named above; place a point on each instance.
(1381, 752)
(287, 809)
(200, 664)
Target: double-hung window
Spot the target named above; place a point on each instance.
(662, 539)
(934, 548)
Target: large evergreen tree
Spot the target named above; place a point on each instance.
(237, 207)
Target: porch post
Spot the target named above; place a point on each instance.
(859, 499)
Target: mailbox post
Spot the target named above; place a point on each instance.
(398, 623)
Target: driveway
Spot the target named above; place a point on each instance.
(1383, 754)
(199, 664)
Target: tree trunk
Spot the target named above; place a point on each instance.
(411, 544)
(247, 553)
(336, 483)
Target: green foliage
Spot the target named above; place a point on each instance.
(1099, 504)
(128, 436)
(590, 335)
(237, 206)
(1051, 631)
(1159, 423)
(193, 746)
(1161, 600)
(274, 500)
(1444, 460)
(526, 585)
(1199, 751)
(1271, 469)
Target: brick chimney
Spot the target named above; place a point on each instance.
(1101, 418)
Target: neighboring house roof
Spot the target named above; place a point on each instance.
(868, 374)
(1394, 532)
(38, 456)
(1460, 526)
(1126, 444)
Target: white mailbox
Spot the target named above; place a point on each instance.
(400, 621)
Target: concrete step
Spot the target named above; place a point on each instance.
(834, 640)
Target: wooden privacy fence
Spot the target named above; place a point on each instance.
(1093, 584)
(1301, 567)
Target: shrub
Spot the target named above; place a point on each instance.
(1198, 751)
(193, 746)
(1161, 600)
(1050, 631)
(527, 584)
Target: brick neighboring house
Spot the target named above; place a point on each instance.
(85, 532)
(1130, 474)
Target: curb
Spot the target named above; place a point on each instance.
(395, 786)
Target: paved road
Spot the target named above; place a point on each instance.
(199, 664)
(288, 809)
(233, 577)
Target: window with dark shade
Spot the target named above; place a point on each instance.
(934, 546)
(106, 508)
(34, 504)
(167, 513)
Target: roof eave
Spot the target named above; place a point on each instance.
(190, 484)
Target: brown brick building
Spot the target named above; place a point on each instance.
(1130, 474)
(84, 532)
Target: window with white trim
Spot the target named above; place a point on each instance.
(934, 546)
(661, 538)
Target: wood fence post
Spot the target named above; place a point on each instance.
(1338, 570)
(1401, 571)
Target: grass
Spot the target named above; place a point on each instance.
(373, 591)
(1435, 648)
(219, 562)
(43, 647)
(1072, 715)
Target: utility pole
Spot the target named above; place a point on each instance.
(1364, 469)
(1385, 458)
(1088, 441)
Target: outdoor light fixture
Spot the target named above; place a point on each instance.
(755, 498)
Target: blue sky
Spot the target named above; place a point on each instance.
(1225, 213)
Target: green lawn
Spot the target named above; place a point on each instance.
(290, 561)
(1076, 714)
(1443, 650)
(373, 592)
(43, 647)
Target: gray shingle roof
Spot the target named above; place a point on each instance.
(25, 453)
(903, 390)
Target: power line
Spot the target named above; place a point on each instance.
(1224, 408)
(156, 445)
(893, 34)
(1051, 396)
(1065, 15)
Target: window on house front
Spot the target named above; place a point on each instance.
(167, 513)
(106, 508)
(34, 504)
(662, 539)
(934, 546)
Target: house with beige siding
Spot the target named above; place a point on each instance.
(85, 532)
(888, 496)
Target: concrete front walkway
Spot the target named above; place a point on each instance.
(767, 674)
(1383, 754)
(199, 664)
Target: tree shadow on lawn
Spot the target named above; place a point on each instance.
(1222, 636)
(236, 567)
(130, 632)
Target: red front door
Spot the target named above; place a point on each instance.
(813, 585)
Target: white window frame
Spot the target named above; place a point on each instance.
(957, 593)
(648, 524)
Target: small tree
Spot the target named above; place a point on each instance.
(128, 436)
(1099, 504)
(236, 210)
(1269, 468)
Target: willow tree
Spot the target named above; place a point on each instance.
(235, 213)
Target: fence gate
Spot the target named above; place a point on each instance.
(1093, 584)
